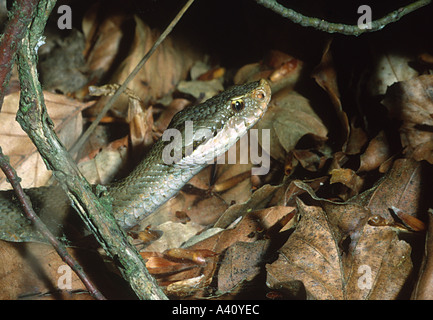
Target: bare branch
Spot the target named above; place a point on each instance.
(331, 27)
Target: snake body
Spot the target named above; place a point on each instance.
(204, 131)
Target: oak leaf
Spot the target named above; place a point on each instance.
(376, 266)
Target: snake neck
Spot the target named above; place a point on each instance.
(148, 186)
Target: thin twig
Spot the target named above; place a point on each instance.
(26, 204)
(131, 76)
(331, 27)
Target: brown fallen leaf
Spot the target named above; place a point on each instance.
(242, 262)
(173, 59)
(346, 217)
(401, 188)
(62, 66)
(424, 286)
(103, 32)
(173, 235)
(326, 77)
(184, 288)
(281, 68)
(425, 58)
(145, 237)
(309, 160)
(196, 256)
(35, 271)
(390, 67)
(214, 73)
(347, 177)
(379, 265)
(140, 127)
(410, 222)
(375, 267)
(252, 227)
(357, 139)
(289, 118)
(167, 114)
(159, 265)
(66, 115)
(310, 255)
(105, 163)
(377, 152)
(411, 102)
(259, 200)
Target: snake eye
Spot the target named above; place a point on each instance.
(237, 105)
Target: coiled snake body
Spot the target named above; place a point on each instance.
(225, 118)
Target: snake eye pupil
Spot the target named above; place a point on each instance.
(237, 105)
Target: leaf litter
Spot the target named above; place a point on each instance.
(333, 219)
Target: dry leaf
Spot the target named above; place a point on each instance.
(196, 256)
(347, 177)
(66, 115)
(103, 32)
(103, 167)
(424, 287)
(242, 262)
(252, 227)
(401, 188)
(311, 161)
(290, 117)
(61, 64)
(173, 59)
(159, 265)
(201, 90)
(174, 234)
(174, 107)
(409, 221)
(326, 77)
(33, 270)
(146, 236)
(214, 73)
(377, 152)
(376, 266)
(187, 287)
(259, 200)
(357, 139)
(390, 68)
(411, 102)
(140, 126)
(282, 69)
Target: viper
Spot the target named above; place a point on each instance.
(225, 118)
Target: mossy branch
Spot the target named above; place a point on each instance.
(34, 120)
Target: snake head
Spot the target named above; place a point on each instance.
(212, 127)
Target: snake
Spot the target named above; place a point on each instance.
(196, 135)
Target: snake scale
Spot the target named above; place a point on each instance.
(226, 118)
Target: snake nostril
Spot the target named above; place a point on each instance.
(260, 95)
